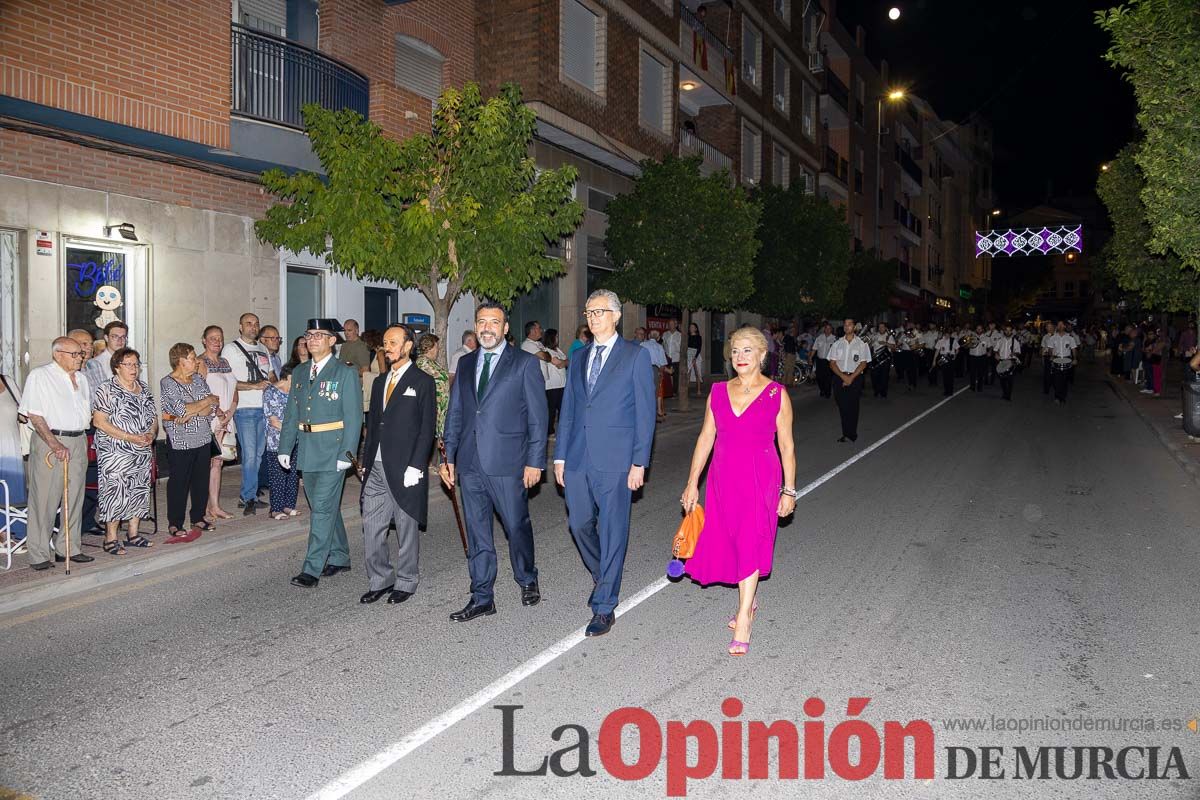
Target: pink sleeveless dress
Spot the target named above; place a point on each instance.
(742, 492)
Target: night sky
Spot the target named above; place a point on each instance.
(1034, 69)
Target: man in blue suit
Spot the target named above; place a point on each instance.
(495, 439)
(605, 431)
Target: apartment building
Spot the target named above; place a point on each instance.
(131, 140)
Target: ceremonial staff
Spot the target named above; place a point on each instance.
(454, 501)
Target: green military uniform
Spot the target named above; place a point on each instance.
(334, 396)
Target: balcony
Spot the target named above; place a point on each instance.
(835, 165)
(273, 79)
(908, 222)
(709, 53)
(837, 90)
(835, 102)
(711, 159)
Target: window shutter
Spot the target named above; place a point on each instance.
(269, 16)
(418, 67)
(652, 91)
(579, 43)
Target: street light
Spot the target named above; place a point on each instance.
(892, 96)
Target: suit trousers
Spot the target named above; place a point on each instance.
(947, 371)
(485, 497)
(848, 399)
(1047, 375)
(379, 511)
(824, 376)
(598, 506)
(977, 365)
(46, 494)
(879, 379)
(327, 543)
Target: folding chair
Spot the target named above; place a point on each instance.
(9, 545)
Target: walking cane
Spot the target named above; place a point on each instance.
(454, 501)
(64, 516)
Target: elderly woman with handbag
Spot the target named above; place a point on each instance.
(189, 409)
(749, 485)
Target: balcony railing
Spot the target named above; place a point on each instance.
(909, 165)
(273, 79)
(837, 90)
(714, 159)
(835, 165)
(714, 42)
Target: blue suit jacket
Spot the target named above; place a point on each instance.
(613, 428)
(507, 427)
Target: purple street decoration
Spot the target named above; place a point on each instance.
(1029, 241)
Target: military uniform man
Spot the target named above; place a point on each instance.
(324, 414)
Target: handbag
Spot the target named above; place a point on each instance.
(684, 544)
(229, 448)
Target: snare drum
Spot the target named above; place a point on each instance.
(1061, 363)
(1005, 366)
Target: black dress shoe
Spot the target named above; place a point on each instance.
(305, 580)
(249, 510)
(398, 596)
(471, 611)
(333, 569)
(41, 565)
(531, 595)
(842, 439)
(374, 595)
(600, 624)
(81, 558)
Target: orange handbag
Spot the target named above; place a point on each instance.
(684, 544)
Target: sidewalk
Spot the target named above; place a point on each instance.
(21, 587)
(1159, 413)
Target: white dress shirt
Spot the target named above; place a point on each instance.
(823, 343)
(455, 356)
(983, 343)
(671, 340)
(556, 377)
(946, 346)
(1059, 345)
(849, 354)
(658, 356)
(603, 356)
(929, 338)
(50, 395)
(534, 347)
(495, 351)
(1008, 347)
(319, 365)
(393, 377)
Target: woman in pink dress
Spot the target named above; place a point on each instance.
(747, 419)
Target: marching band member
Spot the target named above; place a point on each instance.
(907, 355)
(1061, 348)
(960, 363)
(1075, 338)
(945, 351)
(929, 361)
(1047, 377)
(820, 355)
(848, 359)
(883, 344)
(1008, 349)
(1027, 338)
(993, 337)
(979, 346)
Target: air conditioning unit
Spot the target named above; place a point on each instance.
(816, 62)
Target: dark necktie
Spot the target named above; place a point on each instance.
(484, 376)
(597, 364)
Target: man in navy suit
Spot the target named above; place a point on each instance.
(605, 431)
(495, 441)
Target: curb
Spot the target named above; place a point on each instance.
(1177, 452)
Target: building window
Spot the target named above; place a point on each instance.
(858, 226)
(751, 54)
(781, 164)
(1068, 289)
(655, 93)
(582, 45)
(751, 155)
(598, 200)
(783, 10)
(418, 67)
(783, 84)
(809, 180)
(809, 109)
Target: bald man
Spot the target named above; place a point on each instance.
(57, 401)
(90, 366)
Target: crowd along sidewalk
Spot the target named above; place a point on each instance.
(21, 587)
(1159, 414)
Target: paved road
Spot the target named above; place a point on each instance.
(1016, 560)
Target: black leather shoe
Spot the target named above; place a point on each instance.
(374, 595)
(842, 439)
(249, 510)
(82, 558)
(333, 569)
(600, 624)
(305, 580)
(471, 611)
(398, 596)
(531, 595)
(41, 565)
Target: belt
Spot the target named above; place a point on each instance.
(67, 433)
(321, 427)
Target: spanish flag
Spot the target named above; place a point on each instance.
(699, 49)
(730, 77)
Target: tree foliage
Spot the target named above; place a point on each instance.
(460, 209)
(869, 286)
(1157, 44)
(1161, 281)
(682, 238)
(803, 263)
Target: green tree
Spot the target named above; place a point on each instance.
(803, 263)
(1157, 44)
(870, 284)
(461, 209)
(683, 239)
(1160, 281)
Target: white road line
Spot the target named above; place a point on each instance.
(352, 779)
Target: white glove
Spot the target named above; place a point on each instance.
(343, 465)
(412, 476)
(285, 461)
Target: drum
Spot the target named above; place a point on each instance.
(881, 358)
(1004, 366)
(1061, 363)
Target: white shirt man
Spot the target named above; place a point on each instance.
(535, 348)
(945, 347)
(1008, 347)
(983, 344)
(823, 344)
(658, 356)
(671, 341)
(239, 354)
(469, 343)
(1060, 344)
(929, 338)
(849, 354)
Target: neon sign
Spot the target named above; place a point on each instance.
(1029, 241)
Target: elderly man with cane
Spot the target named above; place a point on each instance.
(57, 401)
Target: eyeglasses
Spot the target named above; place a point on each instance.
(72, 353)
(131, 364)
(118, 337)
(597, 313)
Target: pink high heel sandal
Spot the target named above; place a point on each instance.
(753, 609)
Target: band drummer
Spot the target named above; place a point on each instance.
(1008, 351)
(945, 351)
(1060, 346)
